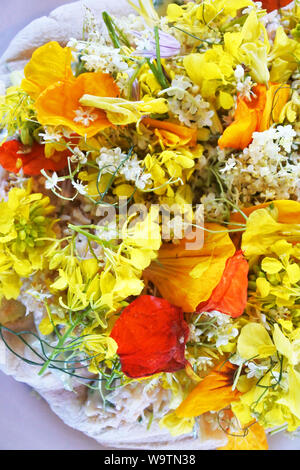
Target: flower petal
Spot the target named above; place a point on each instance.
(276, 97)
(14, 156)
(49, 64)
(58, 104)
(246, 119)
(151, 335)
(187, 277)
(172, 134)
(213, 393)
(255, 342)
(271, 5)
(255, 439)
(230, 295)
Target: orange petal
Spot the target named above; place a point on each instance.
(230, 295)
(276, 97)
(239, 134)
(213, 393)
(255, 439)
(58, 104)
(14, 156)
(172, 134)
(246, 120)
(171, 272)
(271, 5)
(49, 64)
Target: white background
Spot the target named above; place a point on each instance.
(26, 422)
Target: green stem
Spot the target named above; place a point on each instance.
(108, 23)
(59, 345)
(158, 60)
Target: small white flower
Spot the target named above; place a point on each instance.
(239, 73)
(78, 156)
(85, 116)
(143, 180)
(39, 295)
(231, 163)
(73, 43)
(51, 181)
(50, 135)
(255, 370)
(80, 188)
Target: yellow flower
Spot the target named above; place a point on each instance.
(263, 230)
(80, 279)
(210, 70)
(49, 64)
(16, 110)
(255, 342)
(123, 112)
(122, 274)
(284, 57)
(292, 398)
(279, 404)
(246, 47)
(24, 224)
(96, 344)
(177, 425)
(176, 165)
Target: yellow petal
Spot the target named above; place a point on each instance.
(263, 286)
(225, 100)
(271, 265)
(293, 271)
(49, 64)
(292, 398)
(123, 112)
(262, 231)
(186, 277)
(255, 342)
(282, 343)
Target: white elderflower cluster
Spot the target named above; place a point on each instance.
(98, 56)
(187, 104)
(213, 207)
(213, 328)
(266, 170)
(115, 161)
(243, 84)
(201, 363)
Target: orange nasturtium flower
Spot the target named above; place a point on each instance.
(59, 104)
(14, 156)
(172, 135)
(49, 80)
(186, 277)
(256, 115)
(151, 335)
(230, 295)
(255, 439)
(213, 393)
